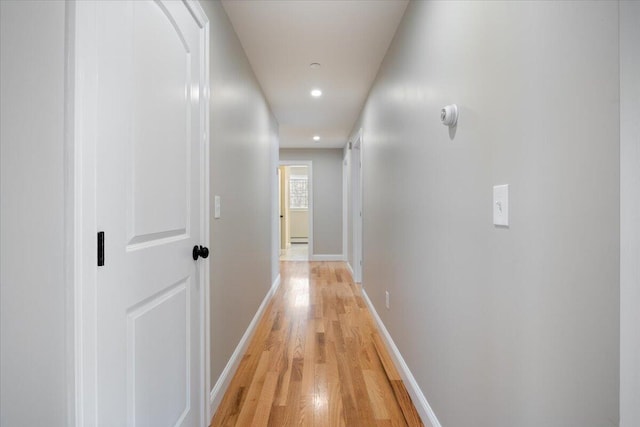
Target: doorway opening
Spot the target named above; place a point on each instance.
(295, 210)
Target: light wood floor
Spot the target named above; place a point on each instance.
(316, 359)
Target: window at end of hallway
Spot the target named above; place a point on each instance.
(298, 192)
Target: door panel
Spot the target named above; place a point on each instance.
(158, 330)
(148, 201)
(161, 112)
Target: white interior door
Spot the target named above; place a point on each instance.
(149, 122)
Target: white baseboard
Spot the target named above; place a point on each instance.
(218, 390)
(319, 257)
(422, 406)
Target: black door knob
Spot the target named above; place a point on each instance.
(200, 251)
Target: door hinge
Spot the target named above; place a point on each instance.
(100, 248)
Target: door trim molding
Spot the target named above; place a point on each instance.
(205, 323)
(84, 99)
(80, 211)
(345, 200)
(70, 219)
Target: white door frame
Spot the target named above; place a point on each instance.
(309, 165)
(80, 206)
(356, 195)
(629, 13)
(345, 208)
(280, 211)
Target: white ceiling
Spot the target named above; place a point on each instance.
(349, 38)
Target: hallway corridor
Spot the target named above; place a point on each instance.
(316, 359)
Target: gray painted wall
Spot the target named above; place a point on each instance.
(500, 327)
(243, 166)
(32, 291)
(327, 196)
(630, 213)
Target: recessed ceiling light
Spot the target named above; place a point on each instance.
(316, 138)
(315, 65)
(316, 93)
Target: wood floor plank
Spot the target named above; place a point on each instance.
(376, 395)
(277, 416)
(387, 363)
(384, 386)
(263, 409)
(253, 393)
(316, 359)
(282, 388)
(402, 396)
(347, 391)
(292, 408)
(321, 396)
(308, 372)
(336, 412)
(363, 403)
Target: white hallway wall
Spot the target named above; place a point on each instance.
(327, 196)
(33, 356)
(244, 146)
(500, 327)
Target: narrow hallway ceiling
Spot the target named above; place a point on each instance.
(348, 38)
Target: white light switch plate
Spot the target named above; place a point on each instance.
(501, 205)
(216, 207)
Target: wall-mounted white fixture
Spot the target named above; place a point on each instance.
(316, 93)
(316, 138)
(449, 115)
(501, 205)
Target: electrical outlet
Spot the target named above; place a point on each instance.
(386, 299)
